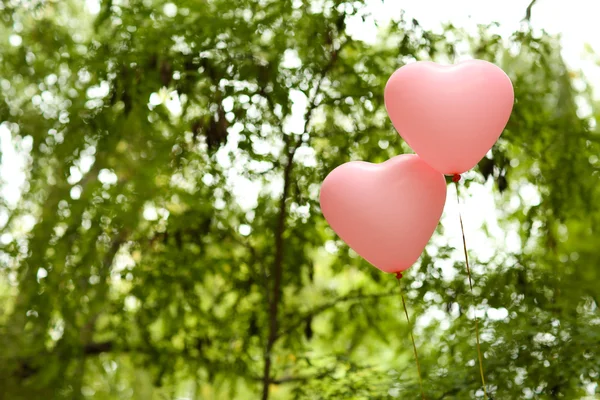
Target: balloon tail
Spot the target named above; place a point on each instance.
(412, 338)
(455, 179)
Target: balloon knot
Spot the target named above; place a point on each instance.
(398, 275)
(456, 178)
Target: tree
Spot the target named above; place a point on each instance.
(138, 263)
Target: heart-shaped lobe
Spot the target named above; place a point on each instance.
(451, 116)
(385, 212)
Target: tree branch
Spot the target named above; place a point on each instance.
(277, 274)
(528, 11)
(455, 390)
(277, 270)
(324, 307)
(298, 378)
(92, 349)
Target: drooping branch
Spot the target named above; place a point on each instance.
(92, 349)
(303, 378)
(327, 306)
(528, 11)
(453, 391)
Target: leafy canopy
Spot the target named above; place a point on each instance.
(168, 239)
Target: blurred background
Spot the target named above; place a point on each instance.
(160, 232)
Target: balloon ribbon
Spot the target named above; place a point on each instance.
(455, 179)
(398, 276)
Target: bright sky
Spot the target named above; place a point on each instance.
(575, 22)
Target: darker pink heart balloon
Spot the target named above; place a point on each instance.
(451, 116)
(385, 212)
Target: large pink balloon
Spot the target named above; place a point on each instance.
(451, 116)
(385, 212)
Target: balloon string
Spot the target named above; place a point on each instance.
(412, 338)
(455, 179)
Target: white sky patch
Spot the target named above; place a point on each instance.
(12, 171)
(93, 6)
(246, 193)
(150, 213)
(107, 177)
(291, 59)
(15, 40)
(295, 122)
(577, 23)
(170, 10)
(98, 91)
(306, 156)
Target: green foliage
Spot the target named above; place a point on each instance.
(139, 264)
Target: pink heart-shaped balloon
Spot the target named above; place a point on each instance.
(385, 212)
(451, 116)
